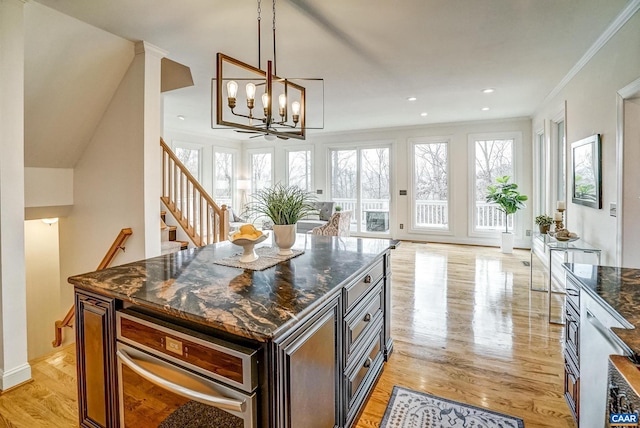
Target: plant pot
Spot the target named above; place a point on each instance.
(506, 245)
(544, 229)
(284, 236)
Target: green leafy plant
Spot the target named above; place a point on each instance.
(338, 208)
(282, 204)
(544, 220)
(507, 197)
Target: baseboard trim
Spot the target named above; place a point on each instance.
(15, 377)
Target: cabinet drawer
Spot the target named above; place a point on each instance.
(572, 388)
(359, 288)
(362, 318)
(362, 374)
(572, 333)
(573, 293)
(231, 363)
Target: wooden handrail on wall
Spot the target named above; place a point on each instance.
(200, 217)
(117, 245)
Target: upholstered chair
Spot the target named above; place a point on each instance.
(338, 225)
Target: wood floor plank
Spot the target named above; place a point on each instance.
(465, 327)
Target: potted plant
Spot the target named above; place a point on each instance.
(544, 222)
(509, 201)
(284, 206)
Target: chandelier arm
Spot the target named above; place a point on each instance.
(275, 71)
(259, 47)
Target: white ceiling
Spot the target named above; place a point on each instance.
(372, 54)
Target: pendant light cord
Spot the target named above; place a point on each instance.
(259, 48)
(274, 38)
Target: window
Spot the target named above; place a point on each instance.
(360, 183)
(261, 170)
(430, 205)
(299, 169)
(190, 155)
(224, 164)
(493, 158)
(562, 160)
(540, 175)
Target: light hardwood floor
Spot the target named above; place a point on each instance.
(465, 325)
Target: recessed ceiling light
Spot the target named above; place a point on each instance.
(488, 90)
(181, 117)
(424, 114)
(411, 98)
(485, 108)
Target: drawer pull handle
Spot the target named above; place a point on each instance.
(367, 363)
(367, 317)
(572, 292)
(367, 279)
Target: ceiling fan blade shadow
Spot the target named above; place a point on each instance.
(324, 22)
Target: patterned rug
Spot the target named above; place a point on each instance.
(414, 409)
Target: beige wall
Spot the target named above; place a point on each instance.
(591, 109)
(110, 192)
(42, 259)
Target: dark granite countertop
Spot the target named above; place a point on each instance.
(618, 289)
(253, 304)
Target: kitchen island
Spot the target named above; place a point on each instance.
(297, 344)
(602, 314)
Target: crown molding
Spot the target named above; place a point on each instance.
(146, 47)
(632, 7)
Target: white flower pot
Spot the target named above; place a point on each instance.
(285, 237)
(506, 245)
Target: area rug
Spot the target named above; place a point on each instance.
(414, 409)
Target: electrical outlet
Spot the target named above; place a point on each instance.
(528, 232)
(401, 226)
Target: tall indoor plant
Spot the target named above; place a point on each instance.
(509, 201)
(284, 206)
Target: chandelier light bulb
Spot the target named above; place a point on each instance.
(251, 94)
(265, 100)
(232, 91)
(232, 88)
(295, 110)
(282, 101)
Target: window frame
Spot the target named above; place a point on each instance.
(178, 144)
(235, 153)
(250, 153)
(516, 160)
(303, 148)
(413, 228)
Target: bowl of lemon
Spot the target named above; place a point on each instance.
(247, 237)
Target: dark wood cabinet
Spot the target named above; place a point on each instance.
(572, 348)
(96, 365)
(309, 364)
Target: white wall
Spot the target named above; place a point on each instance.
(117, 180)
(458, 134)
(42, 260)
(14, 368)
(591, 109)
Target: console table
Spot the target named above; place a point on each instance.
(553, 245)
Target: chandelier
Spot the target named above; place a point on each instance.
(282, 106)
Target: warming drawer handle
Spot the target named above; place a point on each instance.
(210, 400)
(367, 279)
(604, 331)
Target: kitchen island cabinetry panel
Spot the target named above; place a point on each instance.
(309, 382)
(95, 355)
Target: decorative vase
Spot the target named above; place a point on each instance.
(285, 237)
(544, 229)
(506, 245)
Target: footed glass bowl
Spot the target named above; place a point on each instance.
(247, 244)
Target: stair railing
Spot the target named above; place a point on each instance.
(200, 217)
(117, 245)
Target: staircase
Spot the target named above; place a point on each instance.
(200, 217)
(169, 241)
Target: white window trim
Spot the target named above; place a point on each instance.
(518, 230)
(236, 163)
(382, 144)
(301, 148)
(450, 230)
(177, 144)
(250, 153)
